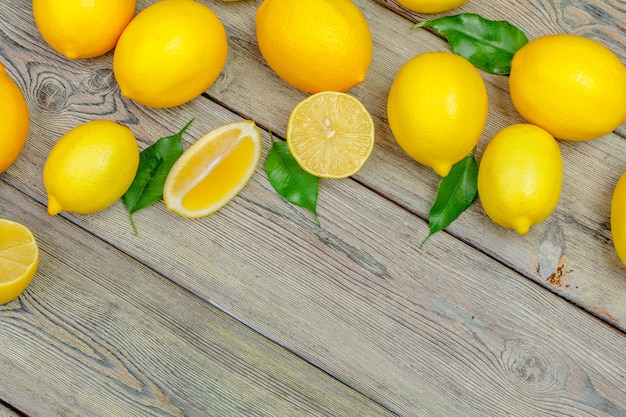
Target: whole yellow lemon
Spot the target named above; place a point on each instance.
(90, 167)
(430, 6)
(571, 86)
(170, 53)
(82, 29)
(519, 177)
(315, 45)
(437, 109)
(618, 218)
(14, 126)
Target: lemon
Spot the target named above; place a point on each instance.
(213, 170)
(170, 53)
(19, 258)
(571, 86)
(430, 6)
(14, 126)
(519, 177)
(90, 167)
(330, 134)
(82, 29)
(315, 45)
(618, 218)
(437, 109)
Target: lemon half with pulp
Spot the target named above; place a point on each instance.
(19, 258)
(330, 134)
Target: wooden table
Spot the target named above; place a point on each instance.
(256, 310)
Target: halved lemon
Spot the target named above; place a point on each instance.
(330, 134)
(19, 258)
(213, 170)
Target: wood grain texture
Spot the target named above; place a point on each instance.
(97, 333)
(399, 325)
(600, 21)
(451, 329)
(7, 412)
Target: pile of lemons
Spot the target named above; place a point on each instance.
(565, 87)
(165, 56)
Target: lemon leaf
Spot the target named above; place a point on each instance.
(155, 163)
(455, 194)
(289, 180)
(488, 44)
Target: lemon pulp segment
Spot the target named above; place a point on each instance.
(213, 170)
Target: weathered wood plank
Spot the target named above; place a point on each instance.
(96, 333)
(358, 298)
(602, 21)
(7, 412)
(426, 332)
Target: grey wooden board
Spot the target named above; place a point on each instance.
(98, 333)
(458, 327)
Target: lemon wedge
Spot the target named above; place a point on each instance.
(213, 170)
(19, 258)
(330, 134)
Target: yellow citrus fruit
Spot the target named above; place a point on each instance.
(315, 45)
(90, 167)
(571, 86)
(437, 109)
(430, 6)
(213, 170)
(330, 134)
(618, 218)
(519, 177)
(14, 126)
(170, 53)
(82, 29)
(19, 258)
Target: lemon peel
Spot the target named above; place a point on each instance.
(437, 109)
(569, 85)
(90, 167)
(315, 45)
(520, 176)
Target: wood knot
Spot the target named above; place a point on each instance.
(532, 367)
(102, 81)
(51, 95)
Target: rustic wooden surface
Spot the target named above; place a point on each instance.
(256, 310)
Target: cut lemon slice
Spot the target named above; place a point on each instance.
(213, 170)
(19, 258)
(330, 134)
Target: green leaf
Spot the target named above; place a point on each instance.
(133, 196)
(155, 163)
(488, 44)
(455, 194)
(289, 180)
